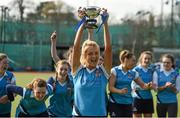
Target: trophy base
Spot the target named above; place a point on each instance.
(91, 24)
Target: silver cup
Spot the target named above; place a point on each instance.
(91, 13)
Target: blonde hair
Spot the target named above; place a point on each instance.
(2, 56)
(37, 82)
(143, 53)
(85, 47)
(125, 54)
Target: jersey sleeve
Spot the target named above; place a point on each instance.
(51, 81)
(136, 75)
(13, 80)
(11, 89)
(49, 90)
(113, 71)
(155, 80)
(178, 83)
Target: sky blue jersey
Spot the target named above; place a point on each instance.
(90, 91)
(146, 75)
(60, 103)
(7, 78)
(123, 80)
(167, 95)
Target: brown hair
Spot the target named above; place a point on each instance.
(61, 62)
(85, 47)
(37, 82)
(143, 53)
(69, 84)
(171, 57)
(2, 56)
(125, 54)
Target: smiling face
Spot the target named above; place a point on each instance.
(145, 60)
(62, 71)
(90, 54)
(167, 63)
(3, 65)
(91, 57)
(39, 93)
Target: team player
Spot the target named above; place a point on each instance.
(32, 103)
(90, 80)
(61, 101)
(120, 98)
(142, 99)
(166, 81)
(6, 77)
(60, 104)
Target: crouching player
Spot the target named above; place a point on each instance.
(32, 103)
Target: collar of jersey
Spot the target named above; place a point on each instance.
(120, 68)
(62, 84)
(92, 70)
(144, 69)
(166, 72)
(5, 74)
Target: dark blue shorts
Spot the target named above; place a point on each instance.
(170, 108)
(143, 106)
(120, 110)
(43, 114)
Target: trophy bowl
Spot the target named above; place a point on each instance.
(91, 12)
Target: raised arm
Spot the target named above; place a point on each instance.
(77, 49)
(53, 47)
(107, 47)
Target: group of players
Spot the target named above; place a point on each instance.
(79, 87)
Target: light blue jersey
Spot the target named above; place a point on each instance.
(62, 99)
(90, 92)
(167, 95)
(123, 80)
(8, 78)
(29, 105)
(146, 75)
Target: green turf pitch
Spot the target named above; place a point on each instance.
(23, 78)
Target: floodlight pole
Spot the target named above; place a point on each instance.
(172, 23)
(3, 31)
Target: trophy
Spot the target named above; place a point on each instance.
(89, 15)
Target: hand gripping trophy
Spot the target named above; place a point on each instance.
(89, 15)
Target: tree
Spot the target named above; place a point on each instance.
(142, 34)
(53, 13)
(21, 5)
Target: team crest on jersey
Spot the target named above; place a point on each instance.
(130, 76)
(98, 73)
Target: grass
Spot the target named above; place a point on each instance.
(23, 78)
